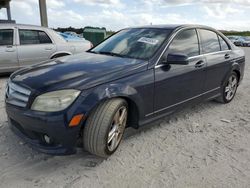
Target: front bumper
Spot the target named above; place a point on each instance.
(32, 126)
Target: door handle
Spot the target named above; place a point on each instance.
(9, 49)
(48, 48)
(199, 64)
(227, 56)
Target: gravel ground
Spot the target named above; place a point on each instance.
(206, 145)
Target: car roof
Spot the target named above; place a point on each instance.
(174, 26)
(5, 25)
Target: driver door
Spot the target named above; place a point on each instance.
(178, 84)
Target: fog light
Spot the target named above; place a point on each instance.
(47, 139)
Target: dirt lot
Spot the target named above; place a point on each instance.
(207, 145)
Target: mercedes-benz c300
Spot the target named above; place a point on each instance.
(132, 78)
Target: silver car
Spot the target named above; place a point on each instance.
(22, 45)
(246, 41)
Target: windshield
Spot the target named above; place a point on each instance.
(138, 43)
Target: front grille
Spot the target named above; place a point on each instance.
(17, 95)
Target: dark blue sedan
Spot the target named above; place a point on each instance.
(132, 78)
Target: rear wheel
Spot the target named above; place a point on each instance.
(105, 127)
(229, 88)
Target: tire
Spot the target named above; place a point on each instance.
(104, 123)
(228, 91)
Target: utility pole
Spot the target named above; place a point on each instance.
(8, 10)
(43, 13)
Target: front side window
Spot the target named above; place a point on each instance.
(33, 37)
(185, 43)
(138, 43)
(209, 40)
(6, 37)
(223, 44)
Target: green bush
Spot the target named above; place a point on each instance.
(237, 33)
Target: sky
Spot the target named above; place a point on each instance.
(118, 14)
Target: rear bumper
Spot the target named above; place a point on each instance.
(32, 126)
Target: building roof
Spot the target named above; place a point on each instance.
(4, 3)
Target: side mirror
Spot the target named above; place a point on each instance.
(177, 59)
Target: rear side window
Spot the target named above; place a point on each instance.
(223, 44)
(6, 37)
(33, 37)
(44, 38)
(185, 43)
(209, 40)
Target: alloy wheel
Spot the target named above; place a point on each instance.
(117, 128)
(231, 87)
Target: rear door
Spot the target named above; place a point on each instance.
(8, 51)
(218, 56)
(35, 46)
(178, 84)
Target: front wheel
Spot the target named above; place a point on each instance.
(105, 127)
(229, 88)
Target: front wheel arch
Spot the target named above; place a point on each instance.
(133, 110)
(59, 55)
(133, 113)
(238, 73)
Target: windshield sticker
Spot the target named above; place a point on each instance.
(148, 40)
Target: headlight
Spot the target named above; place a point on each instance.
(55, 101)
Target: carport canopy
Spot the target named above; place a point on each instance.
(42, 6)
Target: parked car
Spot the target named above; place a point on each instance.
(246, 41)
(132, 78)
(22, 45)
(236, 40)
(232, 38)
(239, 41)
(74, 34)
(71, 38)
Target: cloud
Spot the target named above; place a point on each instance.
(117, 14)
(220, 11)
(117, 20)
(55, 4)
(2, 14)
(65, 18)
(235, 2)
(103, 3)
(22, 5)
(211, 9)
(185, 2)
(26, 12)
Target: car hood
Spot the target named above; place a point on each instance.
(80, 71)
